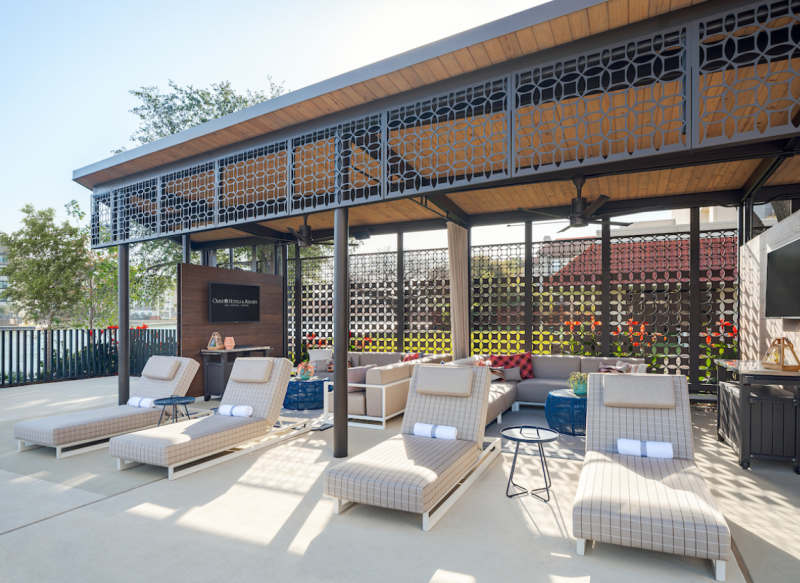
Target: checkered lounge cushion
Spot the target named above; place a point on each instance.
(405, 472)
(656, 504)
(82, 426)
(522, 361)
(604, 425)
(156, 389)
(267, 398)
(174, 443)
(466, 414)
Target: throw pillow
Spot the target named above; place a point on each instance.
(411, 356)
(484, 363)
(639, 368)
(623, 366)
(522, 361)
(512, 374)
(357, 374)
(498, 374)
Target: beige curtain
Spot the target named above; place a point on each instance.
(459, 290)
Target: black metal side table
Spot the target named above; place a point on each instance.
(529, 434)
(175, 402)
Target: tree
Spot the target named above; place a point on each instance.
(46, 266)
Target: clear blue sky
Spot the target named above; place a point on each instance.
(67, 67)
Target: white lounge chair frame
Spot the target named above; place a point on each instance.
(491, 449)
(376, 422)
(285, 429)
(66, 450)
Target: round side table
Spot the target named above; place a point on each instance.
(529, 434)
(175, 402)
(566, 412)
(303, 395)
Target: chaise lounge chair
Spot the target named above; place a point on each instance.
(260, 383)
(645, 502)
(418, 474)
(84, 431)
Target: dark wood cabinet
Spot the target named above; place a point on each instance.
(217, 366)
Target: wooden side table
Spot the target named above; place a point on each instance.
(217, 365)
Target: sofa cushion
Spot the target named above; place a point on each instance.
(469, 361)
(639, 391)
(379, 358)
(450, 381)
(536, 390)
(590, 364)
(521, 361)
(356, 402)
(501, 397)
(512, 374)
(383, 375)
(656, 504)
(435, 359)
(162, 368)
(357, 375)
(552, 366)
(353, 358)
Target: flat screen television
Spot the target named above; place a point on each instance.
(783, 282)
(228, 302)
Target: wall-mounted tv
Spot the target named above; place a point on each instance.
(228, 302)
(783, 282)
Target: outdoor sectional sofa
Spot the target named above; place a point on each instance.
(383, 395)
(645, 502)
(550, 373)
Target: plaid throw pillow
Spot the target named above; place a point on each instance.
(522, 361)
(410, 357)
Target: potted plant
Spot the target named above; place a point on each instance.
(577, 382)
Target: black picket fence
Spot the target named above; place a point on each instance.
(36, 356)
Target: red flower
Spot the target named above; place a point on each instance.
(708, 339)
(735, 331)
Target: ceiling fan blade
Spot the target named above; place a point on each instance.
(615, 223)
(565, 228)
(295, 233)
(541, 213)
(596, 204)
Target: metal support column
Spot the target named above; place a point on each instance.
(694, 298)
(527, 285)
(124, 332)
(278, 259)
(284, 271)
(298, 305)
(186, 244)
(401, 295)
(469, 286)
(212, 257)
(748, 221)
(253, 259)
(605, 289)
(230, 258)
(341, 326)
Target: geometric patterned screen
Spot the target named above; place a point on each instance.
(747, 74)
(426, 322)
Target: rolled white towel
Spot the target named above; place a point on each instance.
(235, 410)
(142, 403)
(656, 449)
(436, 431)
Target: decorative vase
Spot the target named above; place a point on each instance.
(216, 342)
(577, 382)
(229, 343)
(580, 388)
(305, 370)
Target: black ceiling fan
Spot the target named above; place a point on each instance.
(305, 239)
(582, 213)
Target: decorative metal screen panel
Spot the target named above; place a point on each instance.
(317, 298)
(102, 225)
(719, 300)
(373, 302)
(135, 211)
(187, 199)
(747, 74)
(459, 137)
(337, 165)
(650, 300)
(290, 303)
(426, 322)
(622, 101)
(254, 184)
(498, 299)
(566, 297)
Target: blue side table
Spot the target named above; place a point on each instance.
(302, 395)
(566, 412)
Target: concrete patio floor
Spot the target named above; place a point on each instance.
(264, 516)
